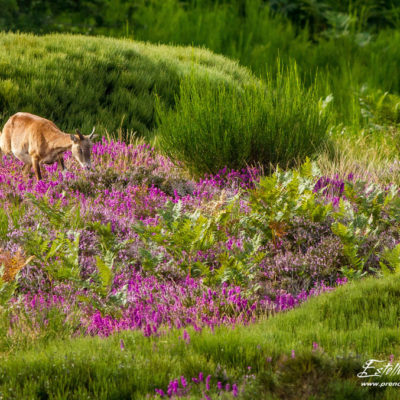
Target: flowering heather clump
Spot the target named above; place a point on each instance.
(135, 244)
(332, 188)
(245, 179)
(181, 388)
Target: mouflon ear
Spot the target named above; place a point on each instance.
(78, 132)
(74, 138)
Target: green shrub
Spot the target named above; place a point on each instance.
(213, 126)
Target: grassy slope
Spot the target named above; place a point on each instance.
(357, 321)
(80, 81)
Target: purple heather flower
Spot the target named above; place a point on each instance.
(183, 382)
(234, 390)
(186, 336)
(208, 382)
(173, 387)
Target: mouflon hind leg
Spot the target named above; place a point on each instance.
(36, 168)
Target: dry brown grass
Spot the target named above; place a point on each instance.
(368, 157)
(13, 263)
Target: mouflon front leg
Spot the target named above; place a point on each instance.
(61, 164)
(26, 169)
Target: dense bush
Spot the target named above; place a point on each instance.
(273, 122)
(79, 82)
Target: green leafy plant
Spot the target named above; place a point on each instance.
(240, 267)
(368, 210)
(182, 235)
(58, 216)
(279, 198)
(110, 246)
(6, 289)
(59, 255)
(3, 224)
(392, 258)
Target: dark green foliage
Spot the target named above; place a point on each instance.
(79, 82)
(50, 15)
(213, 126)
(123, 16)
(318, 15)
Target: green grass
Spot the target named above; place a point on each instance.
(356, 322)
(79, 81)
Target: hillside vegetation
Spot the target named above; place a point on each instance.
(133, 245)
(238, 233)
(278, 358)
(79, 82)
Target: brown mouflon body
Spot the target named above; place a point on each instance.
(35, 140)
